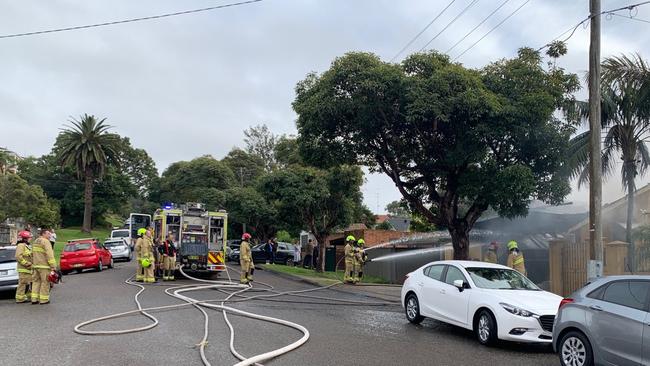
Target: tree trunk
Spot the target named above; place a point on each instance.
(631, 257)
(460, 241)
(320, 240)
(88, 201)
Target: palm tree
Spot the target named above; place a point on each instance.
(625, 118)
(87, 147)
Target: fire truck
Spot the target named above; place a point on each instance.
(200, 235)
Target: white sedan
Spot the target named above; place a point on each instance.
(494, 301)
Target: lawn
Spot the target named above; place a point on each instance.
(63, 235)
(303, 272)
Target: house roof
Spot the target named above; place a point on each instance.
(381, 218)
(537, 222)
(611, 207)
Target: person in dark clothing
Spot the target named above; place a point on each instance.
(268, 249)
(309, 252)
(167, 252)
(315, 258)
(274, 249)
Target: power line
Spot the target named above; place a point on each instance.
(493, 28)
(422, 31)
(588, 18)
(478, 25)
(631, 18)
(448, 25)
(132, 20)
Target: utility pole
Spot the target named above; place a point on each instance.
(595, 165)
(241, 181)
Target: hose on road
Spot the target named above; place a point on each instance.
(237, 295)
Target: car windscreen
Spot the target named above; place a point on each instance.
(77, 247)
(500, 279)
(7, 255)
(112, 244)
(120, 234)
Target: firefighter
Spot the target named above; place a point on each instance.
(167, 251)
(147, 256)
(361, 259)
(139, 273)
(349, 259)
(43, 264)
(246, 260)
(516, 258)
(24, 265)
(491, 255)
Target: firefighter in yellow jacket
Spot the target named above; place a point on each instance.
(360, 258)
(43, 263)
(24, 264)
(349, 259)
(139, 273)
(146, 256)
(246, 260)
(516, 258)
(491, 255)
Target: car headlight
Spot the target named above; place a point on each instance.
(516, 311)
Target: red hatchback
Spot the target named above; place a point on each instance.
(80, 254)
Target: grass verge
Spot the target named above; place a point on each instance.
(321, 277)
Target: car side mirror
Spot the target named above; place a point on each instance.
(460, 284)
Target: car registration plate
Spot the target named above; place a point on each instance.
(77, 265)
(4, 273)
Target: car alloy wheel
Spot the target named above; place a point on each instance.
(574, 352)
(484, 328)
(413, 309)
(100, 267)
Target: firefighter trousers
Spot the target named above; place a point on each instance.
(246, 271)
(169, 266)
(139, 272)
(349, 268)
(40, 286)
(22, 291)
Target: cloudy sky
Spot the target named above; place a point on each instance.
(189, 85)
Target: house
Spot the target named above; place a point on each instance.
(398, 223)
(10, 165)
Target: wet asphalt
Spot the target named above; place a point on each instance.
(339, 334)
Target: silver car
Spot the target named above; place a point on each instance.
(606, 322)
(119, 249)
(8, 269)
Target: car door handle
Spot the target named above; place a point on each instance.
(443, 291)
(420, 283)
(596, 307)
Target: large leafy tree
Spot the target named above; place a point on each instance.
(625, 118)
(87, 147)
(315, 199)
(20, 199)
(203, 179)
(138, 166)
(260, 141)
(445, 134)
(248, 206)
(246, 167)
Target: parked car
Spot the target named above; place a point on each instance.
(8, 269)
(123, 234)
(231, 246)
(119, 249)
(284, 254)
(80, 254)
(494, 301)
(607, 322)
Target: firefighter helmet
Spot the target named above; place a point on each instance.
(145, 262)
(25, 235)
(361, 242)
(350, 238)
(246, 236)
(512, 245)
(141, 231)
(53, 277)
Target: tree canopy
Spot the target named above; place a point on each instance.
(444, 134)
(20, 199)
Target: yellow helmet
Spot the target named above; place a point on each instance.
(141, 231)
(350, 238)
(512, 245)
(145, 262)
(361, 242)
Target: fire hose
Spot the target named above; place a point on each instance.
(238, 295)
